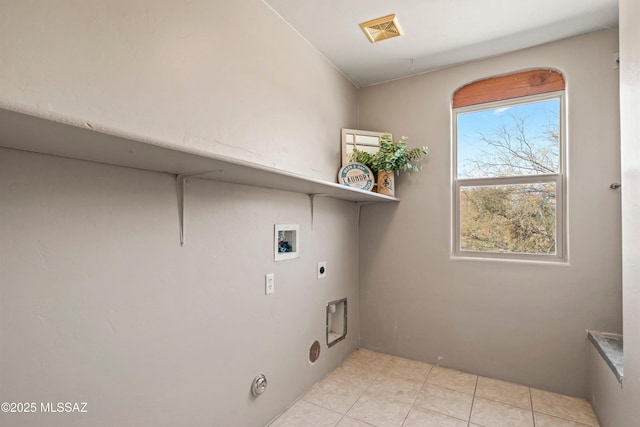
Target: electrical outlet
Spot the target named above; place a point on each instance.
(322, 269)
(269, 283)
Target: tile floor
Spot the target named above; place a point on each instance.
(375, 389)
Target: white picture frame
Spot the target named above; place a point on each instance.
(363, 140)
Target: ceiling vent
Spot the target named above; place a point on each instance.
(382, 28)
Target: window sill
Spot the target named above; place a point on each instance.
(561, 262)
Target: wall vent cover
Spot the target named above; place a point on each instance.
(382, 28)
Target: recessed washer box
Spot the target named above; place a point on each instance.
(336, 321)
(287, 242)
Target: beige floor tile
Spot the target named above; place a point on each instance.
(405, 368)
(489, 414)
(308, 415)
(354, 379)
(335, 394)
(419, 417)
(561, 406)
(445, 401)
(381, 411)
(452, 379)
(543, 420)
(377, 390)
(351, 422)
(362, 370)
(504, 392)
(398, 388)
(358, 377)
(368, 359)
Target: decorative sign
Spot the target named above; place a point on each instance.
(356, 175)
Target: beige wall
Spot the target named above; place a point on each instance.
(605, 392)
(518, 321)
(618, 407)
(630, 111)
(98, 301)
(100, 304)
(226, 77)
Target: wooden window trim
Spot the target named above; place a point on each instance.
(516, 85)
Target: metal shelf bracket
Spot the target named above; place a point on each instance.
(181, 184)
(181, 187)
(312, 198)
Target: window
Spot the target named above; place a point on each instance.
(509, 167)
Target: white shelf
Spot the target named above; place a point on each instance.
(66, 137)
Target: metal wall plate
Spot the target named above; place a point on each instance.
(259, 385)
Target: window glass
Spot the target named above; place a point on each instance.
(521, 139)
(509, 178)
(516, 218)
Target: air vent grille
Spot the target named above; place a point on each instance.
(382, 28)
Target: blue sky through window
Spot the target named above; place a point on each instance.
(509, 140)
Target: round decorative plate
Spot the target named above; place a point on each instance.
(356, 175)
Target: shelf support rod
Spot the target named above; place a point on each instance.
(360, 205)
(181, 187)
(181, 184)
(312, 198)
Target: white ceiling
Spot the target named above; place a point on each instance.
(438, 33)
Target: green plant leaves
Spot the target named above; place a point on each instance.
(396, 156)
(392, 156)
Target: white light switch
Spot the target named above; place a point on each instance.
(269, 283)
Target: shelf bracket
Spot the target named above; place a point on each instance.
(181, 184)
(181, 187)
(312, 198)
(360, 205)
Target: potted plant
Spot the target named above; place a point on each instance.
(391, 157)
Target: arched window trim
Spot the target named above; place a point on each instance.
(516, 85)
